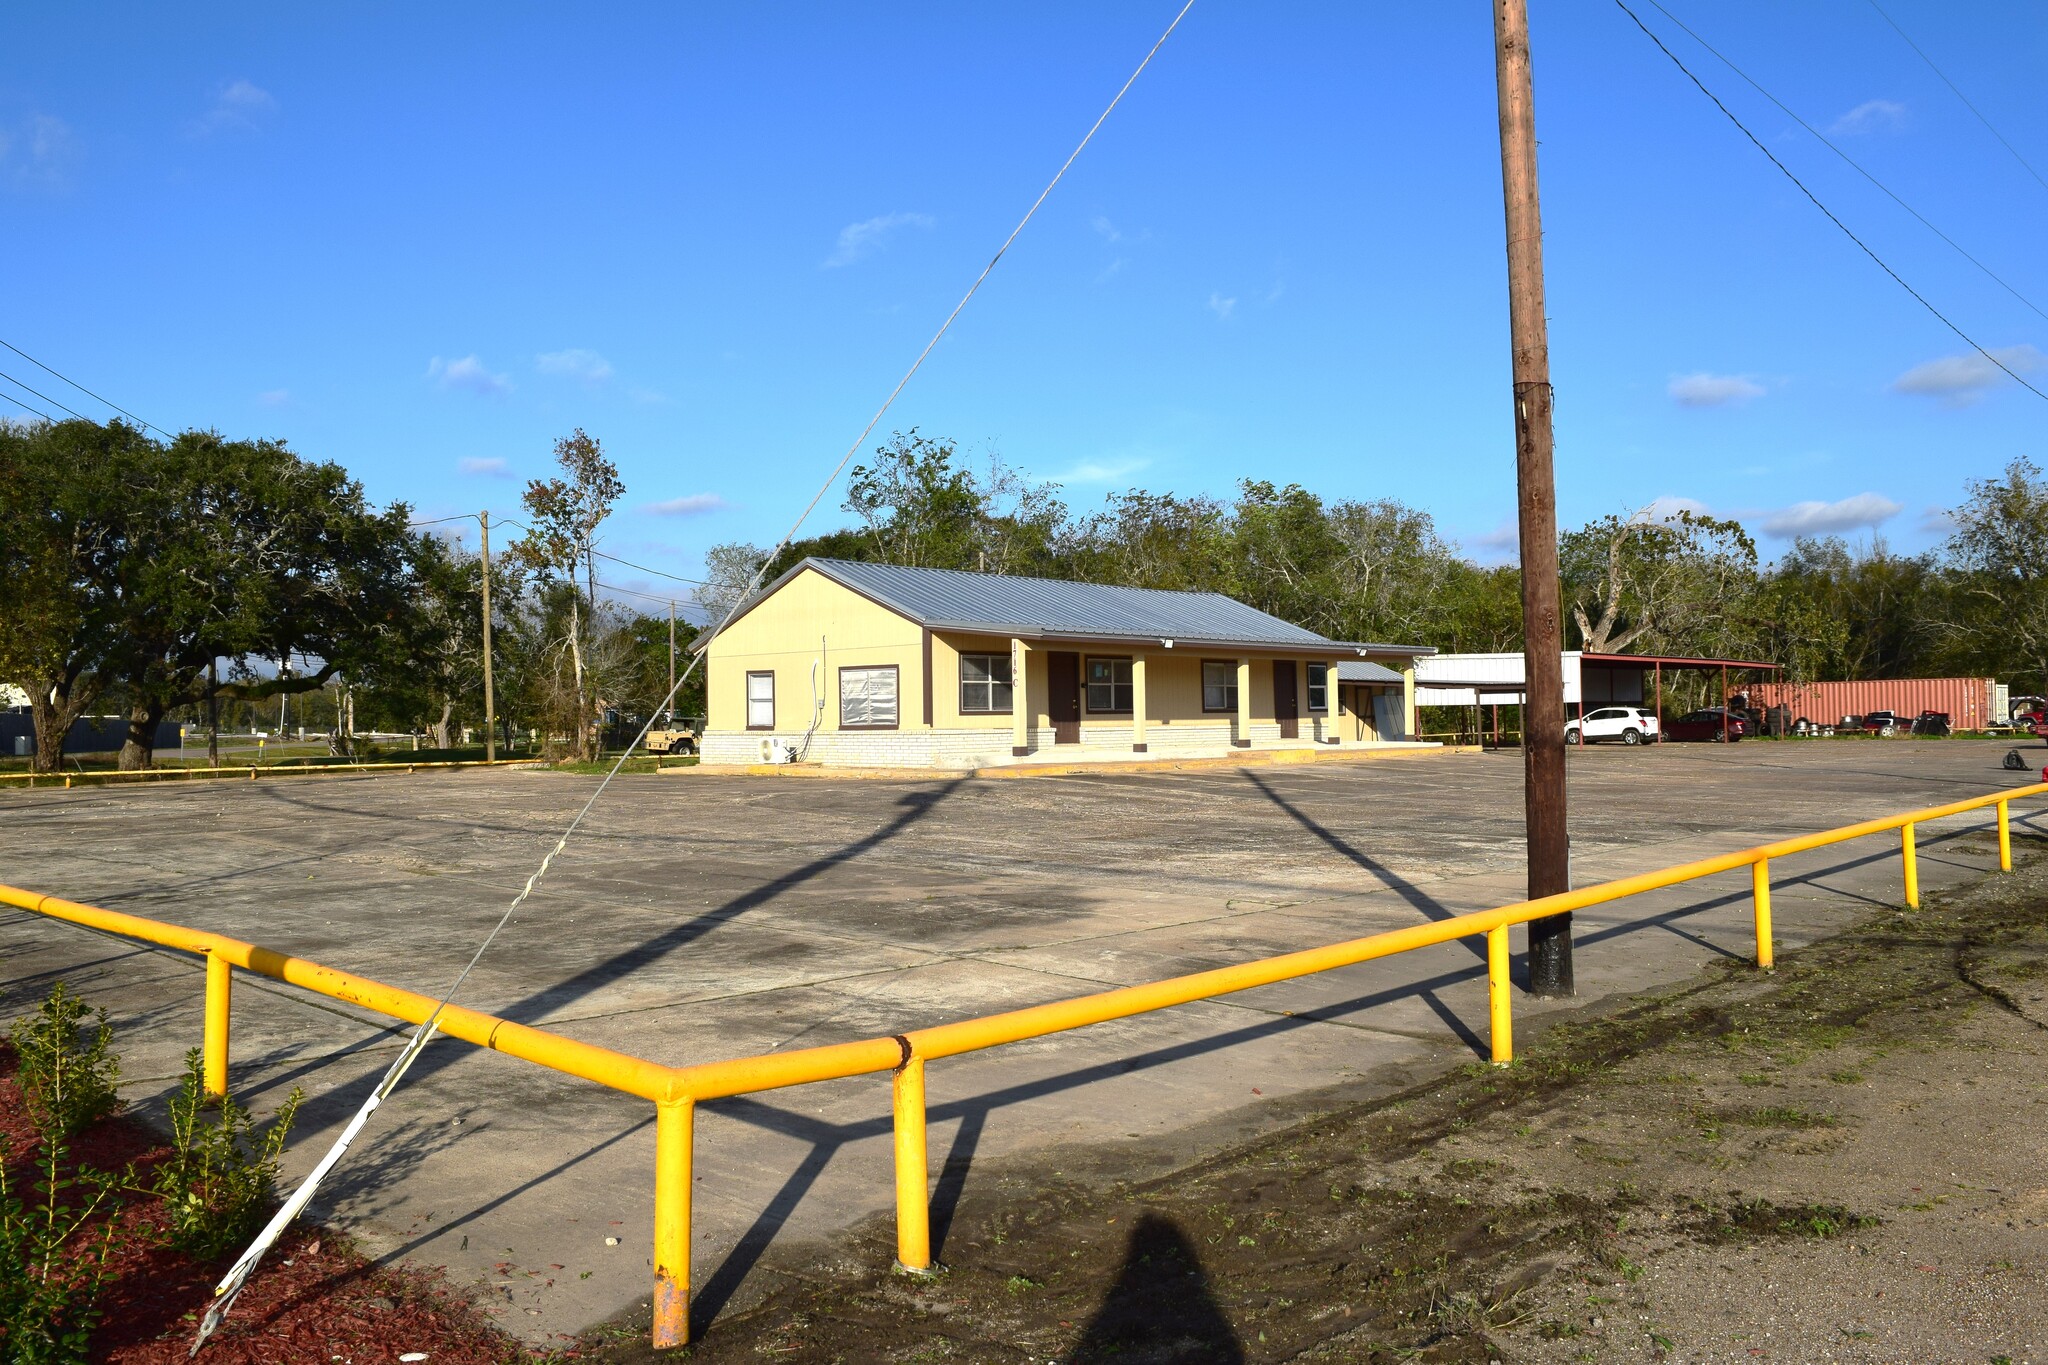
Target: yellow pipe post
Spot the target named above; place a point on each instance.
(219, 989)
(2004, 837)
(1497, 995)
(1760, 892)
(1911, 856)
(672, 1224)
(913, 1202)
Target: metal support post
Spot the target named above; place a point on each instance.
(1497, 988)
(1760, 893)
(913, 1200)
(219, 990)
(2004, 837)
(1911, 857)
(672, 1141)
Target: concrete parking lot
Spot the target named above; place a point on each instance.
(701, 917)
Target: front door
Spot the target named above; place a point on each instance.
(1063, 696)
(1286, 701)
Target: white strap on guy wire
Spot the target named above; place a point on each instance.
(231, 1284)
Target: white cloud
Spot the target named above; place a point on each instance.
(1221, 306)
(468, 373)
(1860, 512)
(1106, 228)
(1938, 521)
(1501, 545)
(237, 105)
(39, 153)
(1960, 380)
(1668, 506)
(274, 398)
(492, 468)
(689, 505)
(1871, 116)
(575, 363)
(857, 240)
(1704, 390)
(1101, 471)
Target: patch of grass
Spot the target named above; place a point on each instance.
(1782, 1116)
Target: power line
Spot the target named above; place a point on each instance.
(80, 387)
(44, 396)
(658, 573)
(26, 408)
(1960, 95)
(230, 1286)
(1815, 199)
(1854, 165)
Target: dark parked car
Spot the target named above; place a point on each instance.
(1880, 723)
(1708, 725)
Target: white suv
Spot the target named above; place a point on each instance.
(1629, 724)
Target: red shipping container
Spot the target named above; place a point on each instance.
(1968, 702)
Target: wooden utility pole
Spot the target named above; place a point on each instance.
(1543, 754)
(671, 662)
(490, 702)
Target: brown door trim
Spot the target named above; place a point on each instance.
(1287, 697)
(1063, 695)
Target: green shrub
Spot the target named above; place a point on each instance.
(68, 1079)
(218, 1181)
(52, 1267)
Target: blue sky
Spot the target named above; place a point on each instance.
(425, 241)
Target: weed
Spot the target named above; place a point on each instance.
(1020, 1284)
(53, 1267)
(1779, 1116)
(1846, 1077)
(218, 1182)
(68, 1079)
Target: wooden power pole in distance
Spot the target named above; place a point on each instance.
(1543, 755)
(671, 663)
(490, 702)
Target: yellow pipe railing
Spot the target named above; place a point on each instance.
(676, 1091)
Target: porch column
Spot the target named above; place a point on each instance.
(1020, 699)
(1333, 697)
(1408, 727)
(1244, 704)
(1303, 716)
(1137, 702)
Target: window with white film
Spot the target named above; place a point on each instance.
(760, 701)
(1319, 687)
(985, 682)
(867, 698)
(1219, 685)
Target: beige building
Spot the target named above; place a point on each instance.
(879, 665)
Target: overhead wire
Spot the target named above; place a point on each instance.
(1959, 94)
(80, 387)
(658, 573)
(1799, 184)
(1853, 163)
(44, 396)
(231, 1284)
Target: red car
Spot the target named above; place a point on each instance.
(1706, 726)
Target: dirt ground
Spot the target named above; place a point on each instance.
(1840, 1161)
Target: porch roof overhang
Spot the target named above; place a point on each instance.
(1285, 649)
(1677, 663)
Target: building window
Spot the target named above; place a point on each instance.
(1219, 685)
(985, 683)
(760, 701)
(1109, 687)
(1319, 688)
(867, 698)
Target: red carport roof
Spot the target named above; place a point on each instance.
(1673, 661)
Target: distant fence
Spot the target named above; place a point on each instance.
(89, 734)
(676, 1091)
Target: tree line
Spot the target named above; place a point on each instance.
(160, 578)
(1646, 581)
(164, 578)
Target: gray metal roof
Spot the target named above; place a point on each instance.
(1366, 671)
(994, 604)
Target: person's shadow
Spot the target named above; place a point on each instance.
(1160, 1309)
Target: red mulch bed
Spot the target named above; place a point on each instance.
(314, 1298)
